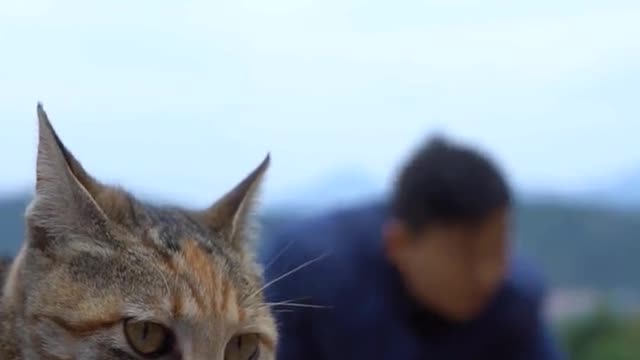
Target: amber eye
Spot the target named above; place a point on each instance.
(243, 347)
(147, 338)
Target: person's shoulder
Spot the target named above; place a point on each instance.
(526, 282)
(330, 230)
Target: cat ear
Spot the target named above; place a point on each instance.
(229, 218)
(64, 202)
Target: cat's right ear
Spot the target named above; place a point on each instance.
(64, 203)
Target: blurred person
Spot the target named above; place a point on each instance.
(425, 274)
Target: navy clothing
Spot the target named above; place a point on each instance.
(368, 315)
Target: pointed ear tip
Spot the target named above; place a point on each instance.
(42, 115)
(266, 162)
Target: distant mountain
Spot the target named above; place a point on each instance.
(577, 245)
(626, 192)
(352, 184)
(581, 246)
(11, 223)
(341, 187)
(623, 192)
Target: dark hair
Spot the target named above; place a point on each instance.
(448, 183)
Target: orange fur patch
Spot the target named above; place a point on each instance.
(210, 291)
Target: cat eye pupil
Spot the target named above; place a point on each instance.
(145, 331)
(255, 354)
(147, 338)
(243, 347)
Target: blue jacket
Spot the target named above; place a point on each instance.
(359, 310)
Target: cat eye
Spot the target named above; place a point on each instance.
(243, 347)
(147, 338)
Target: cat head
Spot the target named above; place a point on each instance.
(103, 275)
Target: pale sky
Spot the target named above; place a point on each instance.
(182, 99)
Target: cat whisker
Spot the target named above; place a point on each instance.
(297, 305)
(282, 302)
(279, 254)
(290, 300)
(288, 273)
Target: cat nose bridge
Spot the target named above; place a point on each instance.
(204, 342)
(203, 351)
(203, 357)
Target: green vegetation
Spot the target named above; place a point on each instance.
(582, 246)
(602, 335)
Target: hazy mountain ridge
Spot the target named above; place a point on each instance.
(580, 241)
(577, 246)
(342, 187)
(12, 222)
(625, 192)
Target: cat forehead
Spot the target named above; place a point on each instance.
(163, 243)
(164, 226)
(171, 228)
(174, 233)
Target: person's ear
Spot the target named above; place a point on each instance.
(396, 237)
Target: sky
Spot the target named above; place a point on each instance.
(182, 99)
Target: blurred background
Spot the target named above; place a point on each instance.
(177, 101)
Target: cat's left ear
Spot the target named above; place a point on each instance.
(229, 218)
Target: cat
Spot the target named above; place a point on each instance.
(104, 275)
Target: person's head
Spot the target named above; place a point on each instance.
(448, 230)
